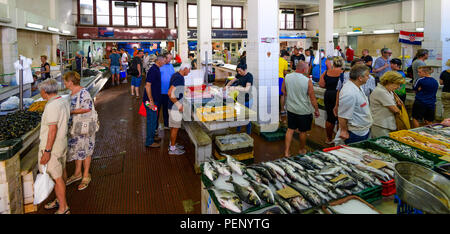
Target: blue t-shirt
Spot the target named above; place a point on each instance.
(166, 73)
(427, 95)
(177, 80)
(78, 62)
(154, 78)
(379, 63)
(115, 59)
(315, 70)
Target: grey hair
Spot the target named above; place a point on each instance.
(358, 71)
(49, 86)
(160, 58)
(185, 65)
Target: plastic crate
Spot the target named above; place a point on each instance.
(400, 134)
(9, 148)
(239, 157)
(371, 194)
(234, 142)
(197, 88)
(403, 208)
(388, 188)
(274, 136)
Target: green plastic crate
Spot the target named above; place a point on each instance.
(9, 148)
(274, 136)
(371, 195)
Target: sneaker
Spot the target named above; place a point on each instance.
(178, 146)
(176, 152)
(154, 145)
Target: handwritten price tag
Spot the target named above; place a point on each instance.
(340, 177)
(288, 192)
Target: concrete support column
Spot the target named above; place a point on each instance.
(55, 42)
(10, 53)
(182, 30)
(326, 26)
(343, 42)
(408, 11)
(204, 30)
(437, 31)
(263, 50)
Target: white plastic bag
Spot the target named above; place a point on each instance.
(43, 186)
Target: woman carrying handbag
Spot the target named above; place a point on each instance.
(83, 126)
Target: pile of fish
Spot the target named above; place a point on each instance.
(14, 125)
(405, 150)
(311, 176)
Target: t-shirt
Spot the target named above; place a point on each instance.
(56, 112)
(124, 59)
(298, 101)
(380, 99)
(242, 81)
(354, 106)
(402, 90)
(282, 66)
(78, 62)
(445, 76)
(318, 70)
(135, 53)
(367, 59)
(166, 73)
(415, 68)
(177, 80)
(367, 88)
(350, 54)
(427, 94)
(308, 59)
(154, 78)
(295, 59)
(115, 59)
(136, 60)
(380, 62)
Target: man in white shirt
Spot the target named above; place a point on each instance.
(355, 118)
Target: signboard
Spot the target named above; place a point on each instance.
(105, 32)
(150, 47)
(290, 35)
(113, 33)
(221, 34)
(357, 29)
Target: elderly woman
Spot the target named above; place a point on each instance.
(53, 142)
(81, 147)
(384, 104)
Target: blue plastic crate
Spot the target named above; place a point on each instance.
(403, 208)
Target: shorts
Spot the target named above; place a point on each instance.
(421, 111)
(124, 67)
(115, 70)
(136, 81)
(280, 83)
(175, 118)
(55, 165)
(301, 122)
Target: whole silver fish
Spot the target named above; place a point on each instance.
(275, 167)
(307, 193)
(316, 161)
(245, 193)
(263, 191)
(228, 200)
(294, 164)
(319, 187)
(222, 168)
(209, 171)
(321, 195)
(299, 203)
(283, 203)
(235, 165)
(327, 170)
(263, 171)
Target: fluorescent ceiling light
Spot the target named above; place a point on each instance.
(37, 26)
(335, 34)
(420, 29)
(386, 31)
(53, 29)
(65, 32)
(352, 33)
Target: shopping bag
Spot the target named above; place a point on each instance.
(43, 186)
(402, 120)
(142, 110)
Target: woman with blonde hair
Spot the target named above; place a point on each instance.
(329, 80)
(81, 147)
(445, 98)
(384, 104)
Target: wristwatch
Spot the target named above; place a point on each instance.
(48, 151)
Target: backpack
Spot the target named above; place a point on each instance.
(132, 69)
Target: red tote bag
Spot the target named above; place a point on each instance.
(142, 110)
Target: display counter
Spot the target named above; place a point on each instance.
(225, 71)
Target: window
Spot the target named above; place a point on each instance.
(287, 19)
(216, 16)
(176, 15)
(237, 17)
(133, 14)
(226, 18)
(160, 15)
(118, 13)
(103, 12)
(147, 14)
(86, 11)
(192, 16)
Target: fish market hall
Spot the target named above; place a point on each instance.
(190, 107)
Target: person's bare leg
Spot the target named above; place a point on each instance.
(282, 102)
(302, 138)
(173, 136)
(329, 127)
(87, 165)
(77, 172)
(288, 140)
(137, 91)
(118, 79)
(60, 191)
(132, 90)
(415, 123)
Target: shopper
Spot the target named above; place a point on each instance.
(166, 73)
(424, 106)
(115, 66)
(124, 61)
(243, 83)
(382, 64)
(135, 51)
(329, 80)
(152, 97)
(226, 56)
(282, 71)
(193, 61)
(354, 114)
(176, 92)
(319, 65)
(308, 57)
(136, 73)
(396, 65)
(146, 62)
(301, 104)
(295, 58)
(243, 58)
(80, 147)
(422, 55)
(45, 68)
(53, 142)
(445, 96)
(349, 53)
(384, 104)
(368, 60)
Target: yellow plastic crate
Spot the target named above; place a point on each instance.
(208, 114)
(399, 136)
(239, 157)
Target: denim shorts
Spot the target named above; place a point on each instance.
(136, 81)
(115, 70)
(280, 85)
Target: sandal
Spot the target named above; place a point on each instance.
(66, 211)
(73, 179)
(52, 205)
(84, 183)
